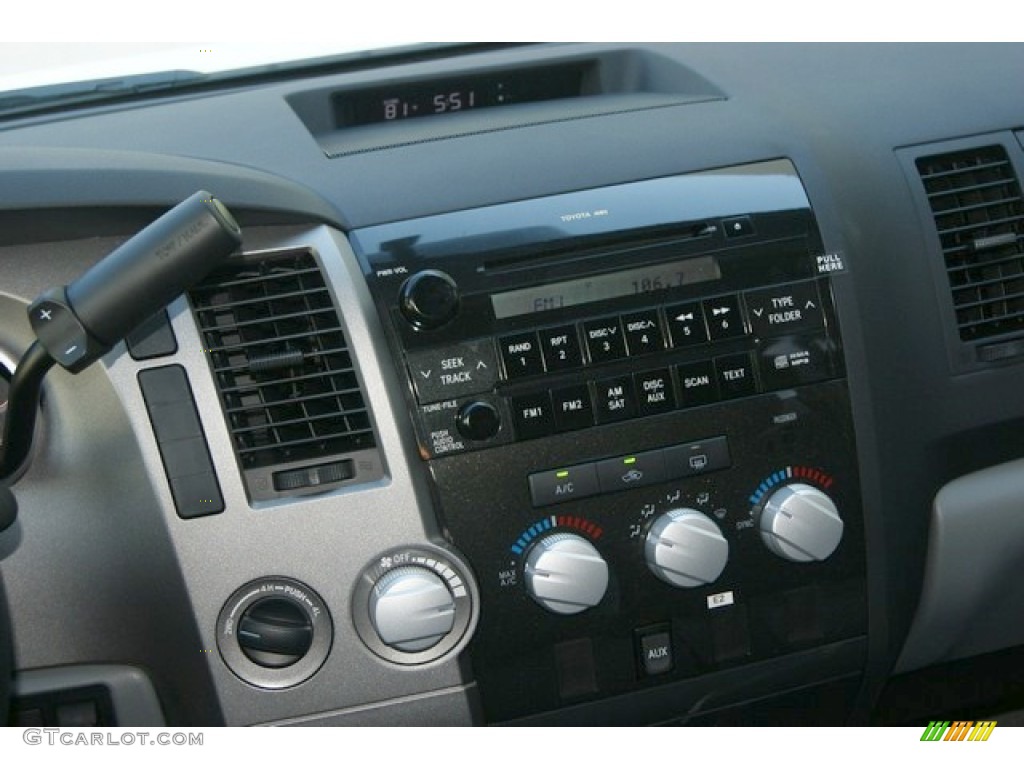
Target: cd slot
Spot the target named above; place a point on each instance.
(584, 250)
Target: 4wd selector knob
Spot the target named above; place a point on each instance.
(412, 609)
(685, 548)
(429, 299)
(565, 573)
(800, 523)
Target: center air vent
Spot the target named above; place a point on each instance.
(976, 201)
(285, 374)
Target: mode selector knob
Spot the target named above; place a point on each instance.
(429, 299)
(800, 523)
(685, 548)
(412, 609)
(565, 573)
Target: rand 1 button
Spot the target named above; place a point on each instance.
(631, 471)
(784, 309)
(453, 371)
(555, 486)
(735, 376)
(654, 393)
(521, 355)
(696, 458)
(572, 408)
(698, 384)
(561, 347)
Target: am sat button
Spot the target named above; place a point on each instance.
(632, 471)
(614, 399)
(555, 486)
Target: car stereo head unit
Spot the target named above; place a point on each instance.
(633, 408)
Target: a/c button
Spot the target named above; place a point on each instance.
(557, 485)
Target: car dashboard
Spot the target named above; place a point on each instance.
(553, 384)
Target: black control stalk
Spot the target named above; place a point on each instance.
(78, 323)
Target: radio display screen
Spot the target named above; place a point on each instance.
(585, 290)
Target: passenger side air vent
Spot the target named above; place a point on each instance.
(287, 379)
(976, 201)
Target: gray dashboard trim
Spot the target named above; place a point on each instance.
(322, 541)
(974, 576)
(131, 691)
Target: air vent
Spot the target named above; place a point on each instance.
(285, 374)
(976, 200)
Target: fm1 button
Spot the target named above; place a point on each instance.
(478, 420)
(559, 485)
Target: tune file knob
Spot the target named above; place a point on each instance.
(685, 548)
(565, 573)
(801, 523)
(412, 609)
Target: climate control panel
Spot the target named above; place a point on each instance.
(757, 555)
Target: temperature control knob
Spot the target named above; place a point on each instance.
(800, 523)
(685, 548)
(565, 573)
(412, 609)
(429, 299)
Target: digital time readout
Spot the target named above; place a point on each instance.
(585, 290)
(404, 101)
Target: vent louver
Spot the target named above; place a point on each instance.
(281, 362)
(976, 201)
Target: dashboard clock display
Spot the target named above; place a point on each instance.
(404, 101)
